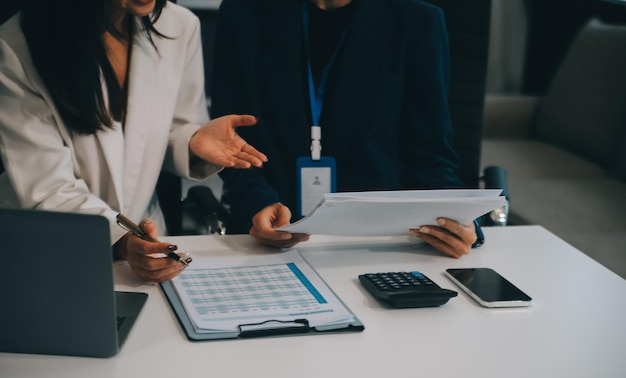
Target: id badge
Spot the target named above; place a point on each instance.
(314, 178)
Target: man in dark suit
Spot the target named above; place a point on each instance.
(373, 74)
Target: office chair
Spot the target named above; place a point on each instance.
(198, 212)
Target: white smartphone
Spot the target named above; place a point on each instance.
(488, 288)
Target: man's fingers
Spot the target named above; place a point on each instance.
(292, 240)
(240, 159)
(443, 240)
(251, 151)
(241, 119)
(438, 244)
(249, 159)
(440, 233)
(466, 233)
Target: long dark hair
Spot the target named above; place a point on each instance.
(66, 43)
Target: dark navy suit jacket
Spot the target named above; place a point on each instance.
(385, 116)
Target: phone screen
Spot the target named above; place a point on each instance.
(488, 287)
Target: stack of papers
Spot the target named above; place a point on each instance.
(386, 213)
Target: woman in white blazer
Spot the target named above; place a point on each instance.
(96, 98)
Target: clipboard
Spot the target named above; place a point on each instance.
(265, 327)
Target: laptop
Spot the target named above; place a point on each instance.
(56, 286)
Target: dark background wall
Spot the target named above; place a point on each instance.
(8, 8)
(552, 25)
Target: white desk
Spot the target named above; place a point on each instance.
(575, 326)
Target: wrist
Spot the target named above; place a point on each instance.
(120, 251)
(480, 237)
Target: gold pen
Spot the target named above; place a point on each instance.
(134, 229)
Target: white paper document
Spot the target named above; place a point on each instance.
(224, 294)
(386, 213)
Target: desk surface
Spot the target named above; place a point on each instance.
(574, 327)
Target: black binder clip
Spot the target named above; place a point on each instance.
(274, 328)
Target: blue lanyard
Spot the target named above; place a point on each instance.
(316, 98)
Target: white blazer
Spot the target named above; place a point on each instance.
(47, 167)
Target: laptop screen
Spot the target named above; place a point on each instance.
(61, 298)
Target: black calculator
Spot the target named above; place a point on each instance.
(405, 289)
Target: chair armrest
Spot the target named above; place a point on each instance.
(494, 177)
(509, 116)
(205, 210)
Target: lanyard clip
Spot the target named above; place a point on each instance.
(316, 145)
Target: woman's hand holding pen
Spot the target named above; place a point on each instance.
(139, 255)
